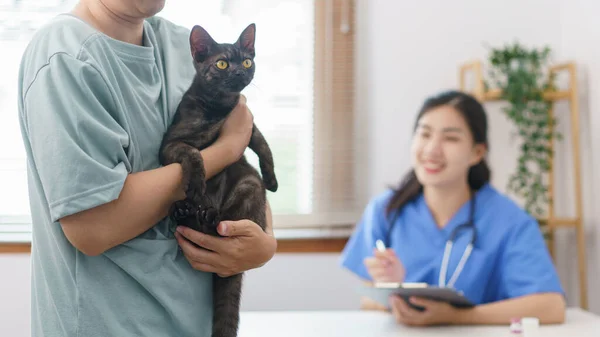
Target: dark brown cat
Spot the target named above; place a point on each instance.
(222, 72)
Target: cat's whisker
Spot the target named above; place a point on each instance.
(255, 85)
(255, 88)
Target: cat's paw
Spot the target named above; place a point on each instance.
(181, 209)
(270, 183)
(209, 216)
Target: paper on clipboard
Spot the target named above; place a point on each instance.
(381, 292)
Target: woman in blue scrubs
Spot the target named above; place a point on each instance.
(447, 197)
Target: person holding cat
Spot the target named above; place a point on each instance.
(497, 257)
(98, 88)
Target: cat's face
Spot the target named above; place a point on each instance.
(222, 66)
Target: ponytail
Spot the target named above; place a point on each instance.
(479, 175)
(408, 190)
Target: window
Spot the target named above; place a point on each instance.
(302, 100)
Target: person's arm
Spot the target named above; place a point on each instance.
(71, 125)
(368, 304)
(549, 308)
(146, 198)
(371, 227)
(529, 284)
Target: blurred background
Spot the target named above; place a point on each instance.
(337, 88)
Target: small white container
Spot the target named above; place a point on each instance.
(531, 326)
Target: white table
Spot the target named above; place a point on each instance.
(578, 323)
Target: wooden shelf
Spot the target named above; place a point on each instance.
(551, 222)
(560, 222)
(494, 95)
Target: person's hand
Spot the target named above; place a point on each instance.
(237, 129)
(435, 313)
(385, 266)
(244, 246)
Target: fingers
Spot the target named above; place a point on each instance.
(376, 269)
(422, 302)
(202, 259)
(404, 313)
(199, 258)
(372, 262)
(237, 228)
(400, 310)
(395, 310)
(388, 255)
(242, 108)
(201, 239)
(406, 310)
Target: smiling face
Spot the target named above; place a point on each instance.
(443, 149)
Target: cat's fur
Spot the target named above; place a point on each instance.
(236, 193)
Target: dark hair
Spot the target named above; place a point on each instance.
(475, 116)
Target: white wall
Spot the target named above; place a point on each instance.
(414, 50)
(407, 51)
(578, 28)
(15, 295)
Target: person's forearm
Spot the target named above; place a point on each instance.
(548, 308)
(216, 158)
(368, 304)
(144, 200)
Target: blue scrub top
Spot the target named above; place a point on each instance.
(510, 257)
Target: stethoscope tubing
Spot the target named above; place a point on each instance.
(470, 224)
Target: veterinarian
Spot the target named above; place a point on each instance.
(447, 226)
(97, 89)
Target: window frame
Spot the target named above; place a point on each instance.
(334, 123)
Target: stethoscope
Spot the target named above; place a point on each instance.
(448, 249)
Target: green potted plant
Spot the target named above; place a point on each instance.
(522, 75)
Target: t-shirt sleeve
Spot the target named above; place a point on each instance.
(371, 227)
(77, 143)
(526, 265)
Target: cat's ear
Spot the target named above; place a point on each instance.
(201, 43)
(246, 39)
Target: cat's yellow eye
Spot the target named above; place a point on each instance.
(221, 64)
(247, 63)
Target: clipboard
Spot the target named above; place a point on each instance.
(381, 292)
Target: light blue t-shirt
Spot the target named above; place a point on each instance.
(510, 257)
(92, 110)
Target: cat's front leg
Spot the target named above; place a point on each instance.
(192, 165)
(259, 145)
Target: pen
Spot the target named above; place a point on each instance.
(380, 246)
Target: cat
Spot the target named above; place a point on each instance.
(238, 192)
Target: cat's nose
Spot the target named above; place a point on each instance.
(239, 73)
